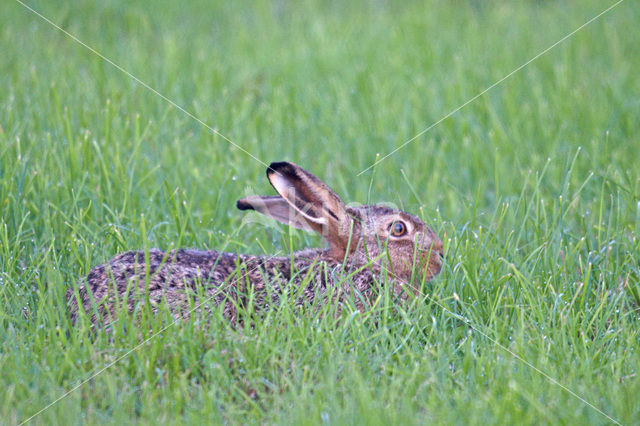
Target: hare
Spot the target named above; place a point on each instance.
(365, 243)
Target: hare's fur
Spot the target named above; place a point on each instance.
(362, 246)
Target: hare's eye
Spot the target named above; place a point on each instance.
(398, 229)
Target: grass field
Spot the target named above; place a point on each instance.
(534, 188)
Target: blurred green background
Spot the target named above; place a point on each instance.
(534, 188)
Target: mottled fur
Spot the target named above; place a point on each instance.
(360, 243)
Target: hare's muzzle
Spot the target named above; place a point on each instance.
(432, 256)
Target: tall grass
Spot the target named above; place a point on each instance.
(534, 188)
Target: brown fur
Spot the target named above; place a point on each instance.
(360, 243)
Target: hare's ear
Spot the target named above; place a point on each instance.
(277, 208)
(313, 200)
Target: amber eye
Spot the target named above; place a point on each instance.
(398, 229)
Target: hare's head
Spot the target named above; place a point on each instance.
(401, 241)
(377, 235)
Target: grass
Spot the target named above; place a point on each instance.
(534, 187)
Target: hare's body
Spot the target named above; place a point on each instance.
(212, 279)
(365, 244)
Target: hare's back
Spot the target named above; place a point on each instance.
(164, 269)
(155, 273)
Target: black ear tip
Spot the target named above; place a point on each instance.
(283, 167)
(243, 205)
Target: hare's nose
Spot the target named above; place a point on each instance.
(438, 248)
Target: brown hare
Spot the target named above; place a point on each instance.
(365, 244)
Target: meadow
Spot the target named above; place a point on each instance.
(534, 188)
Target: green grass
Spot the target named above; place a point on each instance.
(534, 187)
